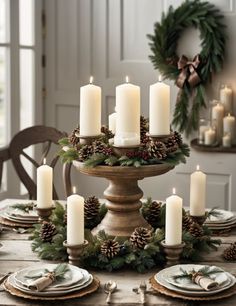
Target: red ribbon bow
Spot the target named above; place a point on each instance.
(188, 71)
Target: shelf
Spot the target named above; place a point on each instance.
(217, 149)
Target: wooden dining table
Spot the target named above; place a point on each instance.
(16, 254)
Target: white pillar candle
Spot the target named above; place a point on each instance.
(173, 225)
(75, 219)
(197, 193)
(217, 118)
(229, 126)
(44, 186)
(159, 109)
(202, 130)
(226, 98)
(128, 115)
(90, 110)
(209, 137)
(112, 122)
(226, 141)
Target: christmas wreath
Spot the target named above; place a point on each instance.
(190, 75)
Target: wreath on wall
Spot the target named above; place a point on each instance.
(190, 75)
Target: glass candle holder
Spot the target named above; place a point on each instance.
(204, 125)
(226, 98)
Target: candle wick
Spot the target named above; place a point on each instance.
(91, 80)
(160, 78)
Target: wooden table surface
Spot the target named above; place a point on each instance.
(16, 254)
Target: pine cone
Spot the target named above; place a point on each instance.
(157, 150)
(153, 212)
(171, 144)
(143, 129)
(196, 230)
(65, 217)
(91, 208)
(99, 146)
(110, 248)
(108, 133)
(47, 231)
(230, 252)
(73, 138)
(85, 152)
(140, 237)
(187, 222)
(178, 138)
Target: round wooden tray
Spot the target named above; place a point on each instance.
(7, 222)
(77, 294)
(221, 295)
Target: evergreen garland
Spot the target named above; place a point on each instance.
(163, 43)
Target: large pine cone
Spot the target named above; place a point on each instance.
(157, 150)
(143, 129)
(171, 144)
(73, 138)
(91, 207)
(178, 138)
(187, 222)
(140, 237)
(85, 152)
(153, 212)
(110, 248)
(230, 252)
(47, 231)
(99, 146)
(196, 230)
(108, 133)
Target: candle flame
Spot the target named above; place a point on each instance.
(74, 189)
(127, 79)
(44, 161)
(174, 191)
(91, 80)
(198, 168)
(160, 78)
(228, 114)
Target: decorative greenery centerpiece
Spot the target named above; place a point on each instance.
(141, 251)
(171, 150)
(190, 75)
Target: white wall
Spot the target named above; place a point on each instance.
(107, 39)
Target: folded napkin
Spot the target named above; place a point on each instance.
(41, 283)
(204, 282)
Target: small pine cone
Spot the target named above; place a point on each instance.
(140, 237)
(85, 152)
(143, 129)
(65, 217)
(98, 146)
(47, 231)
(73, 138)
(230, 252)
(171, 144)
(187, 222)
(110, 248)
(178, 138)
(91, 207)
(153, 212)
(196, 230)
(157, 150)
(108, 133)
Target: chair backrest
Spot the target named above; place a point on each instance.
(4, 156)
(28, 137)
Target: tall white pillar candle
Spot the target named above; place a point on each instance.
(173, 226)
(209, 137)
(229, 126)
(226, 98)
(159, 109)
(44, 186)
(75, 219)
(197, 193)
(112, 122)
(128, 115)
(90, 110)
(217, 118)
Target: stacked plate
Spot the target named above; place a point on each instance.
(26, 215)
(74, 280)
(186, 287)
(223, 220)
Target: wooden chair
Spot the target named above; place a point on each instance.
(31, 136)
(4, 156)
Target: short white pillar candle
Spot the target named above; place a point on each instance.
(226, 140)
(173, 226)
(209, 137)
(112, 122)
(229, 126)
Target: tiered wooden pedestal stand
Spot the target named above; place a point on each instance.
(123, 195)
